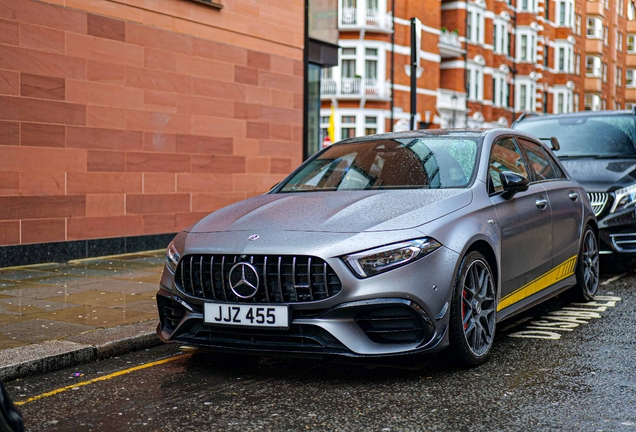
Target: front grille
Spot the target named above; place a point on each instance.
(282, 279)
(624, 242)
(598, 201)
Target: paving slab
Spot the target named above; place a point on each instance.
(58, 315)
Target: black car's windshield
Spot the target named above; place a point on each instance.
(406, 163)
(587, 135)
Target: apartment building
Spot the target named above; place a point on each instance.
(483, 62)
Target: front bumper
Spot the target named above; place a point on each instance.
(402, 311)
(617, 234)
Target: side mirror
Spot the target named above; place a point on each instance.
(512, 183)
(555, 144)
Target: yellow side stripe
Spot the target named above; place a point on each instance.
(102, 378)
(555, 275)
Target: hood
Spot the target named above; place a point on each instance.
(354, 211)
(601, 175)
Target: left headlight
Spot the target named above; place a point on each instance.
(625, 198)
(371, 262)
(172, 257)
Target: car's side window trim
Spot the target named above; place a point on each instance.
(524, 143)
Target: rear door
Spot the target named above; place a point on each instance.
(525, 223)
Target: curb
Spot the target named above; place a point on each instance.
(53, 355)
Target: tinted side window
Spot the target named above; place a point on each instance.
(505, 156)
(539, 161)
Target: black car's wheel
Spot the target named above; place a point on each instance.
(473, 310)
(587, 269)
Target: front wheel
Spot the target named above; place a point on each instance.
(587, 269)
(473, 310)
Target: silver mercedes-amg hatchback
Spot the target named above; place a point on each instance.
(384, 245)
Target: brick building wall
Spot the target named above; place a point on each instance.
(138, 118)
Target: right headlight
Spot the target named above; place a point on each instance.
(373, 261)
(625, 198)
(172, 257)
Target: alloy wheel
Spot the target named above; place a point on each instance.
(590, 261)
(478, 308)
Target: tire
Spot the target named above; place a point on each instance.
(587, 269)
(473, 311)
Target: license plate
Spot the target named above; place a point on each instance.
(246, 315)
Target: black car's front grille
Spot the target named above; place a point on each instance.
(282, 279)
(598, 200)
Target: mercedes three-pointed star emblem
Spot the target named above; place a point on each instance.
(244, 280)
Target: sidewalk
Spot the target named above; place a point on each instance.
(58, 315)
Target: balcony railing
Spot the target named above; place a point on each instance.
(362, 17)
(355, 88)
(449, 44)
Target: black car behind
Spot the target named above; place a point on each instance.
(599, 151)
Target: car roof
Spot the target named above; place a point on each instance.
(428, 133)
(530, 117)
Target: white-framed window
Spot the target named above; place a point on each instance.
(630, 78)
(621, 7)
(347, 126)
(500, 90)
(565, 13)
(592, 102)
(500, 37)
(604, 72)
(525, 94)
(631, 44)
(593, 66)
(475, 82)
(527, 5)
(594, 28)
(605, 35)
(562, 102)
(577, 27)
(527, 45)
(475, 24)
(619, 76)
(348, 62)
(619, 41)
(370, 125)
(563, 56)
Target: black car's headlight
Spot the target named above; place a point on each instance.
(172, 257)
(373, 261)
(625, 198)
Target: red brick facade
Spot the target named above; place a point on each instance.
(120, 120)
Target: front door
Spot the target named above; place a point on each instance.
(525, 223)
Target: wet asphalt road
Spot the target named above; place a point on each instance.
(581, 377)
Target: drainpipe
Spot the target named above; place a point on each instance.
(514, 63)
(392, 62)
(466, 37)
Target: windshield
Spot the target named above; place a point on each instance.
(407, 163)
(595, 136)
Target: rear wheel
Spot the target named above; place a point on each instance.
(587, 269)
(473, 310)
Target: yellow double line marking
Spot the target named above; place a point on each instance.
(102, 378)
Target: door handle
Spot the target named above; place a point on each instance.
(573, 196)
(541, 202)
